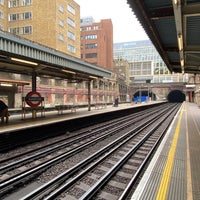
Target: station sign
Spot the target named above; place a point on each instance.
(34, 99)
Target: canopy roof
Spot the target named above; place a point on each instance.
(174, 28)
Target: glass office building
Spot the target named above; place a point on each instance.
(145, 63)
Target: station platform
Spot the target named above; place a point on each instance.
(174, 172)
(16, 122)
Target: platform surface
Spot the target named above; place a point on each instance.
(16, 122)
(174, 172)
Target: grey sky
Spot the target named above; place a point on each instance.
(125, 25)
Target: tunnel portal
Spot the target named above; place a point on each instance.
(176, 96)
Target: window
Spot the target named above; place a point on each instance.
(88, 28)
(71, 9)
(71, 35)
(13, 3)
(1, 2)
(61, 23)
(26, 15)
(96, 27)
(26, 2)
(1, 15)
(60, 37)
(91, 46)
(91, 55)
(1, 27)
(14, 17)
(90, 37)
(14, 30)
(71, 48)
(61, 9)
(27, 30)
(70, 22)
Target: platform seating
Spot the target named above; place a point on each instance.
(34, 111)
(100, 105)
(61, 108)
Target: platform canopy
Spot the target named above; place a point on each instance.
(173, 26)
(18, 55)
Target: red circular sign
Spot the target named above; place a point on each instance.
(33, 99)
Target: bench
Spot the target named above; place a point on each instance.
(61, 108)
(33, 110)
(100, 105)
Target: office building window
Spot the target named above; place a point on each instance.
(71, 48)
(60, 37)
(91, 55)
(70, 22)
(71, 9)
(26, 2)
(61, 23)
(14, 17)
(14, 30)
(1, 15)
(13, 3)
(26, 30)
(71, 35)
(26, 15)
(91, 46)
(91, 37)
(88, 28)
(61, 9)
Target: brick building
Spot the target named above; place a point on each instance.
(52, 23)
(97, 42)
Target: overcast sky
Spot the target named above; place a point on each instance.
(125, 25)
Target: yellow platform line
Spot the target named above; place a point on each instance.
(164, 184)
(189, 177)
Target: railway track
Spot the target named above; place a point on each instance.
(122, 133)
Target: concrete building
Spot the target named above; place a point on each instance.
(54, 23)
(97, 42)
(146, 66)
(145, 63)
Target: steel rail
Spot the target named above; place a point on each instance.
(58, 180)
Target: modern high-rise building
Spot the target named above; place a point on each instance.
(145, 63)
(97, 42)
(54, 23)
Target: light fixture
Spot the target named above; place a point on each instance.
(176, 2)
(180, 42)
(93, 77)
(24, 61)
(6, 84)
(182, 62)
(67, 71)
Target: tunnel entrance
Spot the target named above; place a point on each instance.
(176, 96)
(143, 95)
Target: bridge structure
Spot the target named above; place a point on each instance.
(157, 88)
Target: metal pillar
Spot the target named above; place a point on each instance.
(89, 95)
(34, 81)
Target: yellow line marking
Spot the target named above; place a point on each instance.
(164, 184)
(189, 178)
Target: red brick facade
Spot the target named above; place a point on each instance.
(97, 43)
